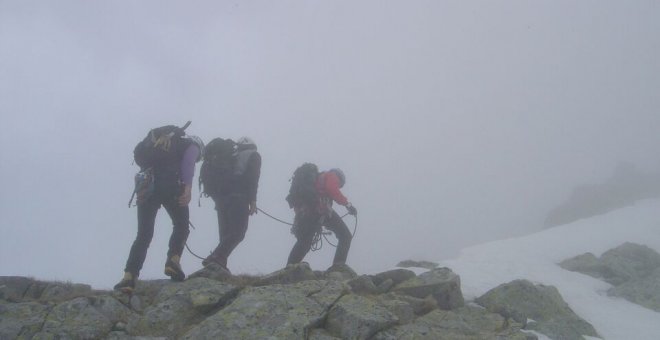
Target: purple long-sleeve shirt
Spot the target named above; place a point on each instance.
(188, 164)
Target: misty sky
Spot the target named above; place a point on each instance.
(456, 122)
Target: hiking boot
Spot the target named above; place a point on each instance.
(173, 269)
(127, 284)
(211, 259)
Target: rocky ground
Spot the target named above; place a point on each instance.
(293, 303)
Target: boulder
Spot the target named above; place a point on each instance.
(212, 271)
(441, 283)
(17, 289)
(630, 261)
(13, 288)
(588, 264)
(275, 311)
(358, 317)
(642, 291)
(468, 322)
(417, 264)
(521, 300)
(83, 318)
(397, 276)
(418, 306)
(179, 304)
(363, 285)
(290, 274)
(340, 272)
(21, 320)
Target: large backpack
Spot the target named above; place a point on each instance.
(160, 147)
(217, 171)
(303, 186)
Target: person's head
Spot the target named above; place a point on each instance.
(340, 175)
(246, 143)
(199, 143)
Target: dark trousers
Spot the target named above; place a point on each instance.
(233, 216)
(308, 224)
(146, 216)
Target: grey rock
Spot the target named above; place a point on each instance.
(212, 271)
(385, 286)
(57, 292)
(401, 309)
(117, 335)
(363, 285)
(417, 264)
(642, 291)
(271, 312)
(292, 273)
(441, 283)
(588, 264)
(145, 293)
(419, 306)
(179, 304)
(466, 322)
(13, 288)
(358, 317)
(82, 318)
(320, 334)
(397, 276)
(21, 320)
(520, 300)
(342, 271)
(630, 261)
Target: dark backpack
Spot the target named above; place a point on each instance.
(303, 186)
(217, 171)
(160, 147)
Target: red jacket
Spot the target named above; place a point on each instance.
(328, 186)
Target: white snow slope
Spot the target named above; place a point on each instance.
(535, 257)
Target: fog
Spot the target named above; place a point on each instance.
(455, 122)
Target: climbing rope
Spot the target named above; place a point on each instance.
(190, 251)
(317, 241)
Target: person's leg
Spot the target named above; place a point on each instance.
(235, 216)
(146, 218)
(180, 216)
(344, 237)
(305, 229)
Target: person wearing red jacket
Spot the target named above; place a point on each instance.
(308, 222)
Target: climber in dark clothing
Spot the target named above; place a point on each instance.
(172, 183)
(235, 205)
(310, 218)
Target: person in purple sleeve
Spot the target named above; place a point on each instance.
(171, 162)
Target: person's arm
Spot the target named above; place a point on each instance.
(188, 172)
(332, 188)
(253, 172)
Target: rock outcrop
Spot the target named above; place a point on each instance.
(632, 269)
(536, 307)
(293, 303)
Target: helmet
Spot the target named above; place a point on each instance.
(340, 174)
(200, 145)
(245, 140)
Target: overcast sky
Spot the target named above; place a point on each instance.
(456, 122)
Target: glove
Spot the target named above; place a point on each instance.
(351, 209)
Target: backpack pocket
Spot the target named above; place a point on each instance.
(144, 185)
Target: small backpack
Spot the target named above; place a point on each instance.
(217, 171)
(303, 186)
(159, 147)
